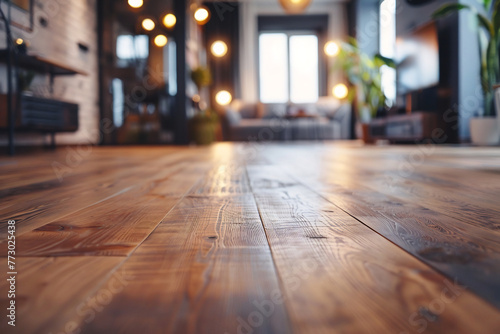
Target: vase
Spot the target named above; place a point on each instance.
(484, 130)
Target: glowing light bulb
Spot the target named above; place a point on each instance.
(223, 98)
(219, 48)
(201, 15)
(19, 41)
(169, 20)
(148, 24)
(161, 41)
(332, 49)
(340, 91)
(135, 3)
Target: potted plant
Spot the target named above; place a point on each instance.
(201, 77)
(484, 130)
(203, 124)
(364, 75)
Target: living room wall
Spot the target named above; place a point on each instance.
(59, 25)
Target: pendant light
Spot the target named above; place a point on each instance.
(294, 6)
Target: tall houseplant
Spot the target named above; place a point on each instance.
(204, 122)
(364, 74)
(484, 130)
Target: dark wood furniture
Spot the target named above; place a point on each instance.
(417, 126)
(39, 114)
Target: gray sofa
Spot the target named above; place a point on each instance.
(328, 119)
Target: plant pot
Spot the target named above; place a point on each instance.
(484, 131)
(363, 132)
(203, 132)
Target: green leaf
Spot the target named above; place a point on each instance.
(483, 51)
(486, 24)
(495, 17)
(493, 65)
(488, 104)
(486, 4)
(448, 9)
(381, 60)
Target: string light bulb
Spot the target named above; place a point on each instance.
(223, 97)
(219, 49)
(202, 15)
(135, 3)
(148, 24)
(160, 41)
(340, 91)
(169, 20)
(332, 49)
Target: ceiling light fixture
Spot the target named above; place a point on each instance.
(294, 6)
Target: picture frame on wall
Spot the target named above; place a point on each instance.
(20, 13)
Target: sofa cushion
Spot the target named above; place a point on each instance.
(306, 108)
(259, 130)
(233, 116)
(327, 106)
(274, 110)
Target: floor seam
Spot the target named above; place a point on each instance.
(278, 275)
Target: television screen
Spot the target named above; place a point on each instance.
(417, 56)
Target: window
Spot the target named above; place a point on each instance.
(172, 68)
(288, 68)
(130, 47)
(118, 102)
(388, 47)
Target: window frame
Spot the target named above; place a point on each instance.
(289, 34)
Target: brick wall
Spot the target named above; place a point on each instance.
(69, 22)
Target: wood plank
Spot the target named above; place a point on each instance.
(362, 282)
(59, 293)
(224, 179)
(35, 205)
(207, 268)
(345, 253)
(454, 247)
(116, 226)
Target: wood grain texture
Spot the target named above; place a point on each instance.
(213, 275)
(457, 247)
(309, 237)
(268, 238)
(90, 182)
(114, 226)
(55, 295)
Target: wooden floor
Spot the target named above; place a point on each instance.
(256, 238)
